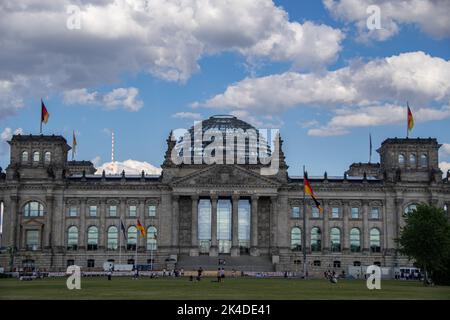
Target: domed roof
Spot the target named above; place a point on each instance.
(226, 124)
(223, 123)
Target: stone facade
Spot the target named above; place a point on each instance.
(39, 172)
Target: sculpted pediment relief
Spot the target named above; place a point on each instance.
(224, 175)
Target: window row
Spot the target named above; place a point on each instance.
(130, 238)
(37, 157)
(412, 160)
(335, 240)
(113, 239)
(113, 211)
(336, 212)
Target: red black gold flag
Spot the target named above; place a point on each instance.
(141, 228)
(309, 191)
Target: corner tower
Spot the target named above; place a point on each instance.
(410, 160)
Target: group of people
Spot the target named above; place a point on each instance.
(331, 276)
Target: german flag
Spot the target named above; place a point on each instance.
(410, 119)
(141, 228)
(44, 113)
(309, 191)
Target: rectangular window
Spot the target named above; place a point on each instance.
(91, 263)
(112, 211)
(335, 212)
(355, 213)
(133, 211)
(336, 264)
(375, 213)
(93, 211)
(315, 212)
(152, 210)
(295, 212)
(32, 239)
(317, 263)
(73, 211)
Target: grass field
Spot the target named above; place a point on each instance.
(239, 288)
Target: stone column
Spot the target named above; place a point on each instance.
(175, 221)
(13, 214)
(82, 231)
(103, 228)
(213, 251)
(346, 232)
(48, 222)
(254, 227)
(123, 215)
(325, 229)
(235, 225)
(194, 226)
(365, 228)
(273, 223)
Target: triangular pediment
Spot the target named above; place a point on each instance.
(38, 221)
(225, 175)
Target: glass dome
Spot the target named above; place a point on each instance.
(248, 145)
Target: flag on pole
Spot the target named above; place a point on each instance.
(44, 115)
(410, 118)
(141, 228)
(370, 146)
(74, 145)
(309, 191)
(122, 227)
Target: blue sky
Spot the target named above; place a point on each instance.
(305, 118)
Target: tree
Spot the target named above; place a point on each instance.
(426, 239)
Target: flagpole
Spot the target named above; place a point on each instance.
(137, 238)
(304, 226)
(407, 119)
(40, 120)
(120, 241)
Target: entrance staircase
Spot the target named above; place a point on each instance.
(241, 263)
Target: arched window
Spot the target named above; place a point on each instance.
(33, 209)
(375, 242)
(92, 240)
(423, 160)
(401, 159)
(355, 240)
(36, 156)
(152, 243)
(412, 160)
(335, 237)
(409, 209)
(112, 238)
(47, 157)
(296, 239)
(25, 156)
(72, 238)
(131, 238)
(316, 239)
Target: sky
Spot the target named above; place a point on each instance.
(313, 69)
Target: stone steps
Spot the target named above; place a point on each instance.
(241, 263)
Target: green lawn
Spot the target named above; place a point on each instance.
(239, 288)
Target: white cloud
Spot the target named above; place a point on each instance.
(125, 98)
(375, 116)
(164, 38)
(444, 166)
(361, 94)
(431, 16)
(5, 136)
(188, 115)
(130, 166)
(445, 149)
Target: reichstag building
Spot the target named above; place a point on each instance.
(59, 212)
